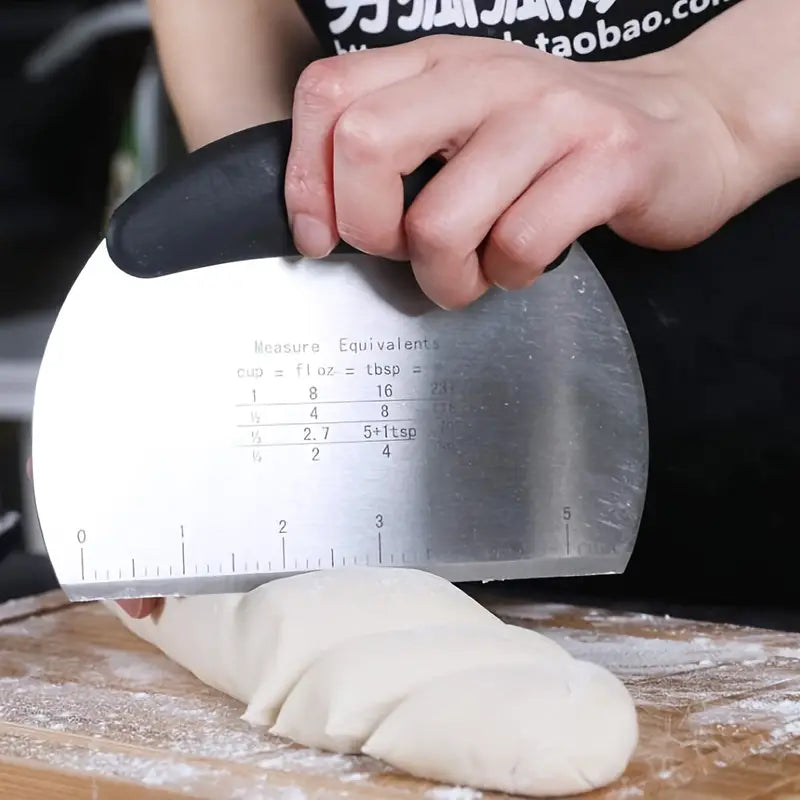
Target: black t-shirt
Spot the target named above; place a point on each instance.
(577, 29)
(716, 326)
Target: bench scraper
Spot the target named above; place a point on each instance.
(213, 411)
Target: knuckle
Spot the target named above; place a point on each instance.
(320, 84)
(622, 134)
(359, 136)
(561, 100)
(515, 240)
(427, 231)
(301, 188)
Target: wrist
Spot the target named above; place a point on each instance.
(759, 110)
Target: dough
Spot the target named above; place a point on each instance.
(547, 728)
(401, 665)
(347, 691)
(255, 646)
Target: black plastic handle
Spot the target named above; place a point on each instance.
(221, 203)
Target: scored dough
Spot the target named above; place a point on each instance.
(255, 646)
(401, 665)
(547, 728)
(348, 690)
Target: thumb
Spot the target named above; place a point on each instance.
(139, 608)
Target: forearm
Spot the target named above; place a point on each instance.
(230, 64)
(749, 60)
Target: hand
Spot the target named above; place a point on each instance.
(137, 608)
(539, 150)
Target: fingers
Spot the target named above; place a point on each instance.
(324, 90)
(579, 192)
(532, 165)
(453, 215)
(389, 134)
(141, 607)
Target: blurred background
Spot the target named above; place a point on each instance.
(83, 121)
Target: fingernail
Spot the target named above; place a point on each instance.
(133, 608)
(501, 288)
(311, 237)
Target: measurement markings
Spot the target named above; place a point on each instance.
(183, 553)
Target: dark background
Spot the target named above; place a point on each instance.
(57, 137)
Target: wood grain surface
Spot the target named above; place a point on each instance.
(89, 711)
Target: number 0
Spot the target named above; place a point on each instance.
(81, 536)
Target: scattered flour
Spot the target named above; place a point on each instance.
(453, 793)
(640, 656)
(354, 777)
(198, 724)
(761, 711)
(627, 792)
(145, 670)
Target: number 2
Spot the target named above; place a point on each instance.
(315, 453)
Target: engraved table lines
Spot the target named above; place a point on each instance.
(322, 443)
(315, 422)
(373, 401)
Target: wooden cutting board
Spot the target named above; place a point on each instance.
(87, 711)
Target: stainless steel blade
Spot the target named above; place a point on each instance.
(210, 430)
